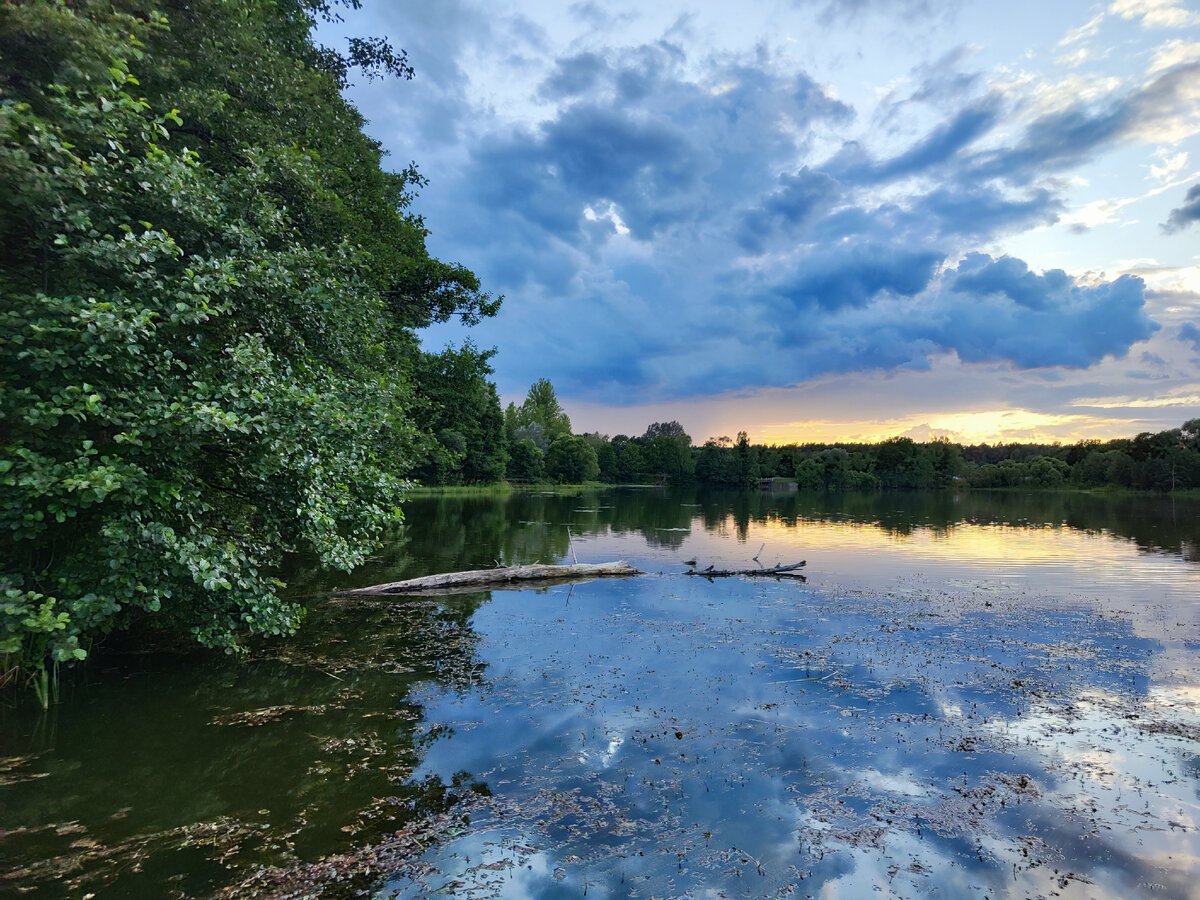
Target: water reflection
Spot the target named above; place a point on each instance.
(972, 695)
(777, 740)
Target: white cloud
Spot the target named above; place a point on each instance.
(1174, 53)
(1155, 13)
(1065, 93)
(1172, 164)
(1138, 402)
(1075, 58)
(1087, 30)
(1098, 212)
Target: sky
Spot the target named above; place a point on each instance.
(815, 220)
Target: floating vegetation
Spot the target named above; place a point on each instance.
(267, 714)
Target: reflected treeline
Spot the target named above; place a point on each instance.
(214, 767)
(449, 533)
(445, 533)
(1152, 522)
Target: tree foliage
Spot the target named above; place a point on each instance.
(458, 412)
(207, 308)
(541, 407)
(571, 460)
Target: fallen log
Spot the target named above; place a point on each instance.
(505, 576)
(790, 571)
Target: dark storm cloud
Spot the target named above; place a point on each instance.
(659, 233)
(997, 309)
(573, 76)
(981, 275)
(877, 308)
(980, 211)
(800, 198)
(1183, 216)
(856, 275)
(633, 136)
(591, 155)
(940, 146)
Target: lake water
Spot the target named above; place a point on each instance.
(970, 696)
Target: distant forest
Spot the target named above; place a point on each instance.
(539, 446)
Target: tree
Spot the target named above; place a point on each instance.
(541, 407)
(1189, 433)
(606, 456)
(809, 475)
(672, 430)
(458, 410)
(209, 293)
(835, 468)
(745, 471)
(571, 460)
(526, 462)
(667, 449)
(535, 434)
(630, 460)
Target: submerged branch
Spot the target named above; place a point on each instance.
(506, 575)
(790, 571)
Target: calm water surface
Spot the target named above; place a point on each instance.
(971, 696)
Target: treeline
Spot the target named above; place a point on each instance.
(1165, 461)
(536, 444)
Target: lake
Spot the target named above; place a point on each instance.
(972, 695)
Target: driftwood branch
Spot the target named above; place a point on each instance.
(506, 576)
(513, 577)
(791, 571)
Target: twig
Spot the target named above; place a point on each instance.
(571, 546)
(778, 571)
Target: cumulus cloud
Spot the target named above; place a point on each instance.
(668, 225)
(1155, 13)
(1183, 216)
(1041, 320)
(940, 146)
(1190, 333)
(573, 76)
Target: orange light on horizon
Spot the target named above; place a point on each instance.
(984, 426)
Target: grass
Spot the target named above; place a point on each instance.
(502, 489)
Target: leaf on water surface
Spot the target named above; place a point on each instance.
(262, 716)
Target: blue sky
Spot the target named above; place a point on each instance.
(817, 219)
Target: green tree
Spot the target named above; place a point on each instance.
(714, 464)
(809, 475)
(458, 411)
(1046, 471)
(667, 450)
(672, 430)
(208, 293)
(541, 407)
(745, 470)
(571, 460)
(631, 462)
(606, 456)
(526, 462)
(835, 468)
